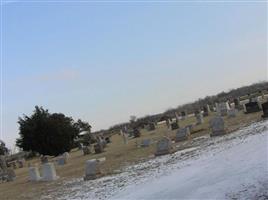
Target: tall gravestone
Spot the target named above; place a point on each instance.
(205, 111)
(222, 108)
(217, 126)
(164, 146)
(237, 104)
(199, 118)
(3, 164)
(208, 108)
(177, 117)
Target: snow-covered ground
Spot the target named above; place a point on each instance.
(234, 166)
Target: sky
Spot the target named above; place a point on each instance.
(102, 61)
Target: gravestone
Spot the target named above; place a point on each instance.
(3, 164)
(174, 125)
(208, 108)
(182, 134)
(164, 146)
(66, 155)
(49, 172)
(150, 127)
(251, 107)
(21, 163)
(265, 110)
(34, 174)
(237, 104)
(86, 150)
(217, 126)
(190, 127)
(222, 108)
(177, 117)
(168, 122)
(145, 143)
(44, 159)
(205, 111)
(136, 132)
(98, 148)
(13, 164)
(199, 118)
(108, 140)
(92, 170)
(232, 112)
(11, 176)
(61, 160)
(183, 115)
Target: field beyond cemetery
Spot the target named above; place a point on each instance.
(118, 155)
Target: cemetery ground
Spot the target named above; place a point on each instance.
(118, 156)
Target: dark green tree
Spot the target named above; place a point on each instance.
(47, 134)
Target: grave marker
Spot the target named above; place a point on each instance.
(217, 126)
(92, 169)
(199, 118)
(49, 172)
(251, 107)
(145, 143)
(265, 110)
(34, 174)
(182, 134)
(222, 108)
(164, 146)
(174, 125)
(232, 112)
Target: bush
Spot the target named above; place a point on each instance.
(47, 134)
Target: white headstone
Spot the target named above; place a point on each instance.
(49, 172)
(222, 108)
(208, 108)
(34, 174)
(66, 155)
(217, 126)
(91, 169)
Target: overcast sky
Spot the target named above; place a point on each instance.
(105, 61)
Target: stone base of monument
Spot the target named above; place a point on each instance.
(217, 133)
(49, 172)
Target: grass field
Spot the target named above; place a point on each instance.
(117, 155)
